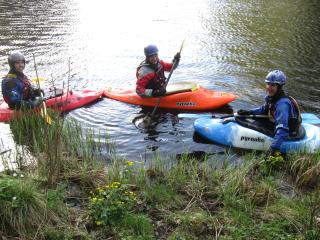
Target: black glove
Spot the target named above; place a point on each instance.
(177, 57)
(244, 112)
(159, 92)
(38, 101)
(37, 92)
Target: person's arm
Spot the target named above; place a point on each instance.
(256, 111)
(282, 125)
(262, 110)
(166, 66)
(11, 91)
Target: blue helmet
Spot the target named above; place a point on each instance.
(150, 50)
(276, 76)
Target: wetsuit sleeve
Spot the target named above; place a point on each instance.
(282, 124)
(12, 92)
(166, 66)
(260, 110)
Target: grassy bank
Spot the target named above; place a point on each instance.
(61, 191)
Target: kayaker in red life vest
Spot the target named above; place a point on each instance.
(281, 109)
(150, 73)
(17, 90)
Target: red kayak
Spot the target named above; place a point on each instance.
(65, 102)
(182, 95)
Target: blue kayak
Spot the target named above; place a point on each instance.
(231, 133)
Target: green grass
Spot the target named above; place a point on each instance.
(24, 206)
(176, 199)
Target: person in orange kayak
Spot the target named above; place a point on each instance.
(16, 88)
(151, 80)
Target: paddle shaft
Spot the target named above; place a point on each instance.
(167, 80)
(241, 116)
(41, 94)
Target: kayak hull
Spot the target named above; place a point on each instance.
(234, 135)
(66, 102)
(192, 98)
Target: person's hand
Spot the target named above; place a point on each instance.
(37, 92)
(38, 101)
(159, 92)
(244, 112)
(177, 57)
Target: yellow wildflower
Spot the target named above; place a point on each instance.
(130, 163)
(98, 223)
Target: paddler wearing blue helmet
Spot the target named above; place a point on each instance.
(282, 110)
(150, 73)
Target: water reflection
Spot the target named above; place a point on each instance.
(230, 46)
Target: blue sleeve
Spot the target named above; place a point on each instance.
(282, 124)
(14, 96)
(260, 110)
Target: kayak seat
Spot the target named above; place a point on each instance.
(181, 87)
(267, 127)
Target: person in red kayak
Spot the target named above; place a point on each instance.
(151, 81)
(16, 88)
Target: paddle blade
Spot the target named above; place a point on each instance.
(36, 80)
(45, 116)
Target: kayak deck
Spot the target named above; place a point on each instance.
(183, 95)
(232, 134)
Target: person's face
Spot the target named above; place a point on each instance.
(271, 89)
(19, 66)
(153, 59)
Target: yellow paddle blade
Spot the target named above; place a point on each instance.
(35, 80)
(195, 88)
(46, 117)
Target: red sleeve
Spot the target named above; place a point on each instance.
(166, 66)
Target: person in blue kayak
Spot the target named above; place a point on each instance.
(151, 80)
(17, 90)
(282, 110)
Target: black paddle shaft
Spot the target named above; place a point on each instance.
(240, 116)
(167, 80)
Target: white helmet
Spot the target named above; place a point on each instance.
(14, 57)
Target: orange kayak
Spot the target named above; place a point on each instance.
(182, 95)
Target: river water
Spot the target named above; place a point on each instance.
(230, 46)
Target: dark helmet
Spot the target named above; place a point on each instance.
(150, 50)
(14, 57)
(276, 76)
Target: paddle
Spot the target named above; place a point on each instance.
(35, 80)
(43, 110)
(148, 118)
(208, 115)
(306, 117)
(167, 80)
